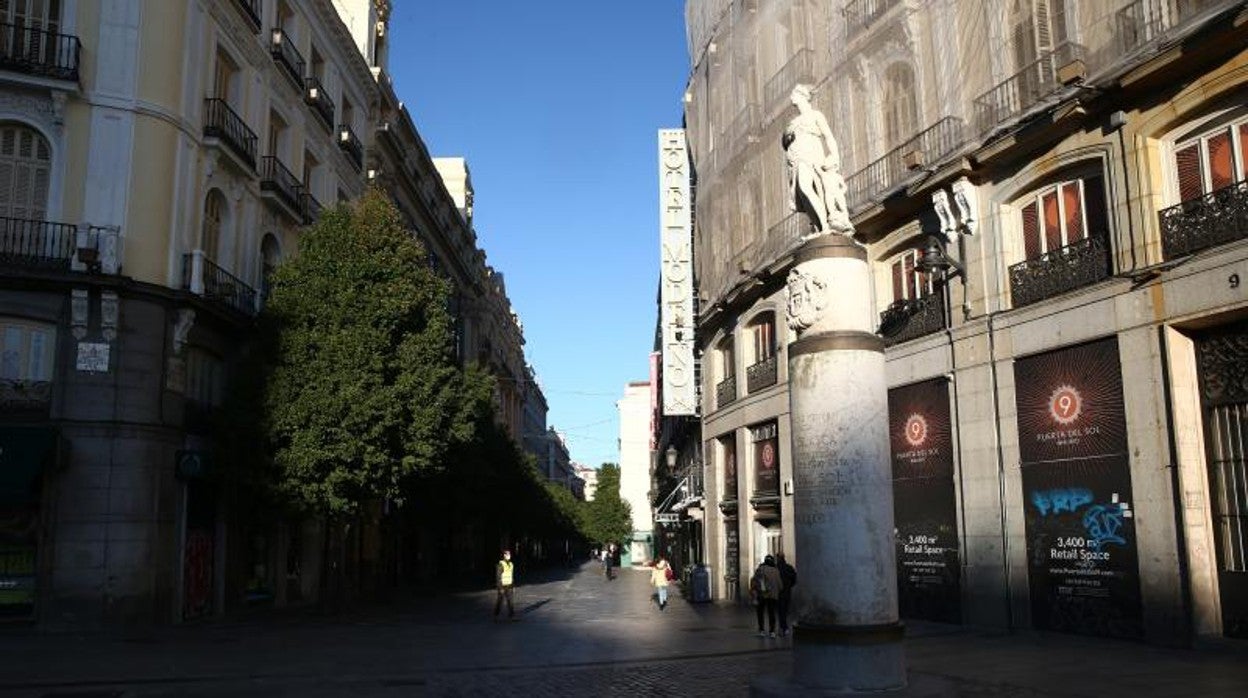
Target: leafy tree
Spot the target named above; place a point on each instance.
(608, 517)
(362, 391)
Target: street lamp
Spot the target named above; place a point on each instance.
(934, 259)
(671, 454)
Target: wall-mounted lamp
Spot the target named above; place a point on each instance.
(936, 261)
(671, 455)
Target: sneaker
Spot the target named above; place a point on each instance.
(773, 633)
(762, 634)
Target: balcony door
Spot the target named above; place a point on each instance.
(25, 170)
(1037, 27)
(1223, 354)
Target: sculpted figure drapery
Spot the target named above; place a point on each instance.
(814, 163)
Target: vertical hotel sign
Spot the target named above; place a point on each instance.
(676, 278)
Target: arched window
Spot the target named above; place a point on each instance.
(214, 217)
(901, 110)
(25, 168)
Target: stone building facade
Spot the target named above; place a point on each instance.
(157, 159)
(1051, 195)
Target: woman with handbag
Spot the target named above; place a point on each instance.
(659, 577)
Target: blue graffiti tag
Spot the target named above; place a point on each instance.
(1102, 523)
(1060, 500)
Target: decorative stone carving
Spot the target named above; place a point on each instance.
(58, 108)
(79, 312)
(182, 329)
(948, 224)
(968, 205)
(108, 243)
(807, 295)
(814, 164)
(110, 307)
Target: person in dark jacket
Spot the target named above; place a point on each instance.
(788, 580)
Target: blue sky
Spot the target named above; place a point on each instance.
(555, 104)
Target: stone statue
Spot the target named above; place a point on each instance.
(814, 163)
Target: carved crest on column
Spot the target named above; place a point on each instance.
(807, 296)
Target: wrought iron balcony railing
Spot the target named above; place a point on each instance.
(1145, 21)
(203, 277)
(18, 395)
(1053, 273)
(1214, 219)
(786, 235)
(315, 96)
(222, 123)
(251, 12)
(761, 375)
(930, 146)
(860, 14)
(310, 207)
(281, 182)
(37, 244)
(725, 391)
(799, 69)
(905, 320)
(287, 55)
(350, 144)
(37, 51)
(1024, 89)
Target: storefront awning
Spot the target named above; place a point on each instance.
(24, 452)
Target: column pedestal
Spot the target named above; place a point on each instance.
(848, 637)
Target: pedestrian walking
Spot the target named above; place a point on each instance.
(608, 560)
(504, 581)
(659, 577)
(788, 580)
(765, 588)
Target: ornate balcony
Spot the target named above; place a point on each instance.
(1058, 271)
(315, 96)
(204, 278)
(287, 56)
(310, 207)
(761, 375)
(221, 123)
(251, 12)
(47, 245)
(350, 144)
(36, 51)
(1214, 219)
(930, 146)
(905, 320)
(282, 185)
(1025, 89)
(725, 391)
(1145, 21)
(861, 14)
(799, 69)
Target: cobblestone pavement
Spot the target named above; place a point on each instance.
(577, 634)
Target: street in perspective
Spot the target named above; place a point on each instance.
(715, 347)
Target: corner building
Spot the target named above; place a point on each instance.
(1051, 196)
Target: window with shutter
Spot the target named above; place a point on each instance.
(25, 167)
(901, 113)
(908, 282)
(26, 350)
(1063, 214)
(1212, 161)
(214, 212)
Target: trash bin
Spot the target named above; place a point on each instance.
(700, 580)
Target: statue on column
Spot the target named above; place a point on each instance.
(814, 164)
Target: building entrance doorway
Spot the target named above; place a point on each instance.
(1223, 365)
(766, 540)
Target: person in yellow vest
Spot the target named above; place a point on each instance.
(504, 579)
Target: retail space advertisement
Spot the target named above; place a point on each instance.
(1083, 565)
(925, 511)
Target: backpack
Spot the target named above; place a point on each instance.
(760, 582)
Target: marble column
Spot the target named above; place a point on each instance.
(848, 636)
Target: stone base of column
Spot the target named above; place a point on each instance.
(840, 660)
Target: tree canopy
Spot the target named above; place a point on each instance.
(362, 391)
(608, 518)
